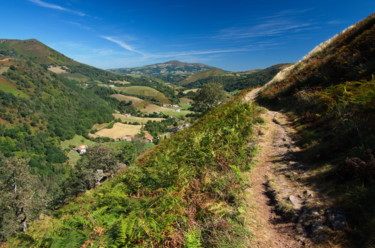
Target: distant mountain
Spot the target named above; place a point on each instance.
(172, 71)
(233, 80)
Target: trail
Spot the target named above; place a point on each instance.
(280, 180)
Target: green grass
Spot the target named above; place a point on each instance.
(10, 88)
(144, 91)
(121, 144)
(76, 141)
(176, 114)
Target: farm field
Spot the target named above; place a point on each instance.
(138, 103)
(99, 126)
(127, 98)
(141, 120)
(185, 100)
(190, 90)
(118, 131)
(144, 91)
(75, 142)
(57, 69)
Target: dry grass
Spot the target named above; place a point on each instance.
(118, 131)
(127, 98)
(191, 90)
(3, 69)
(185, 100)
(144, 91)
(99, 126)
(151, 108)
(136, 119)
(57, 69)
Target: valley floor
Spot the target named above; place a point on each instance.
(284, 205)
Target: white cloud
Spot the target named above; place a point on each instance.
(57, 7)
(122, 44)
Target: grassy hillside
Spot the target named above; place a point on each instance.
(201, 75)
(332, 94)
(234, 81)
(33, 50)
(184, 192)
(144, 91)
(41, 54)
(171, 71)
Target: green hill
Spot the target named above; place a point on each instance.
(145, 92)
(233, 81)
(202, 75)
(331, 91)
(35, 51)
(171, 71)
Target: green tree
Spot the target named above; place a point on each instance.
(22, 196)
(94, 165)
(208, 97)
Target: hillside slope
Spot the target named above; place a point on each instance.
(185, 192)
(41, 54)
(331, 93)
(171, 71)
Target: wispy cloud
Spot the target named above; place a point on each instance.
(190, 53)
(285, 22)
(122, 44)
(268, 28)
(57, 7)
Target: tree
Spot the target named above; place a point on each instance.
(208, 97)
(94, 165)
(22, 196)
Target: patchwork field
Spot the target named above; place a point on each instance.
(118, 131)
(144, 91)
(136, 119)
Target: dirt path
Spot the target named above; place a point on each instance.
(281, 202)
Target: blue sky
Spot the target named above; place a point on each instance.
(233, 35)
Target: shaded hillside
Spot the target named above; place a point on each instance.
(234, 81)
(332, 93)
(184, 193)
(171, 71)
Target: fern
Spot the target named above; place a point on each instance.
(193, 239)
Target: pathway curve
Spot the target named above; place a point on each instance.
(284, 208)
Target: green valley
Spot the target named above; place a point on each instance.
(179, 154)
